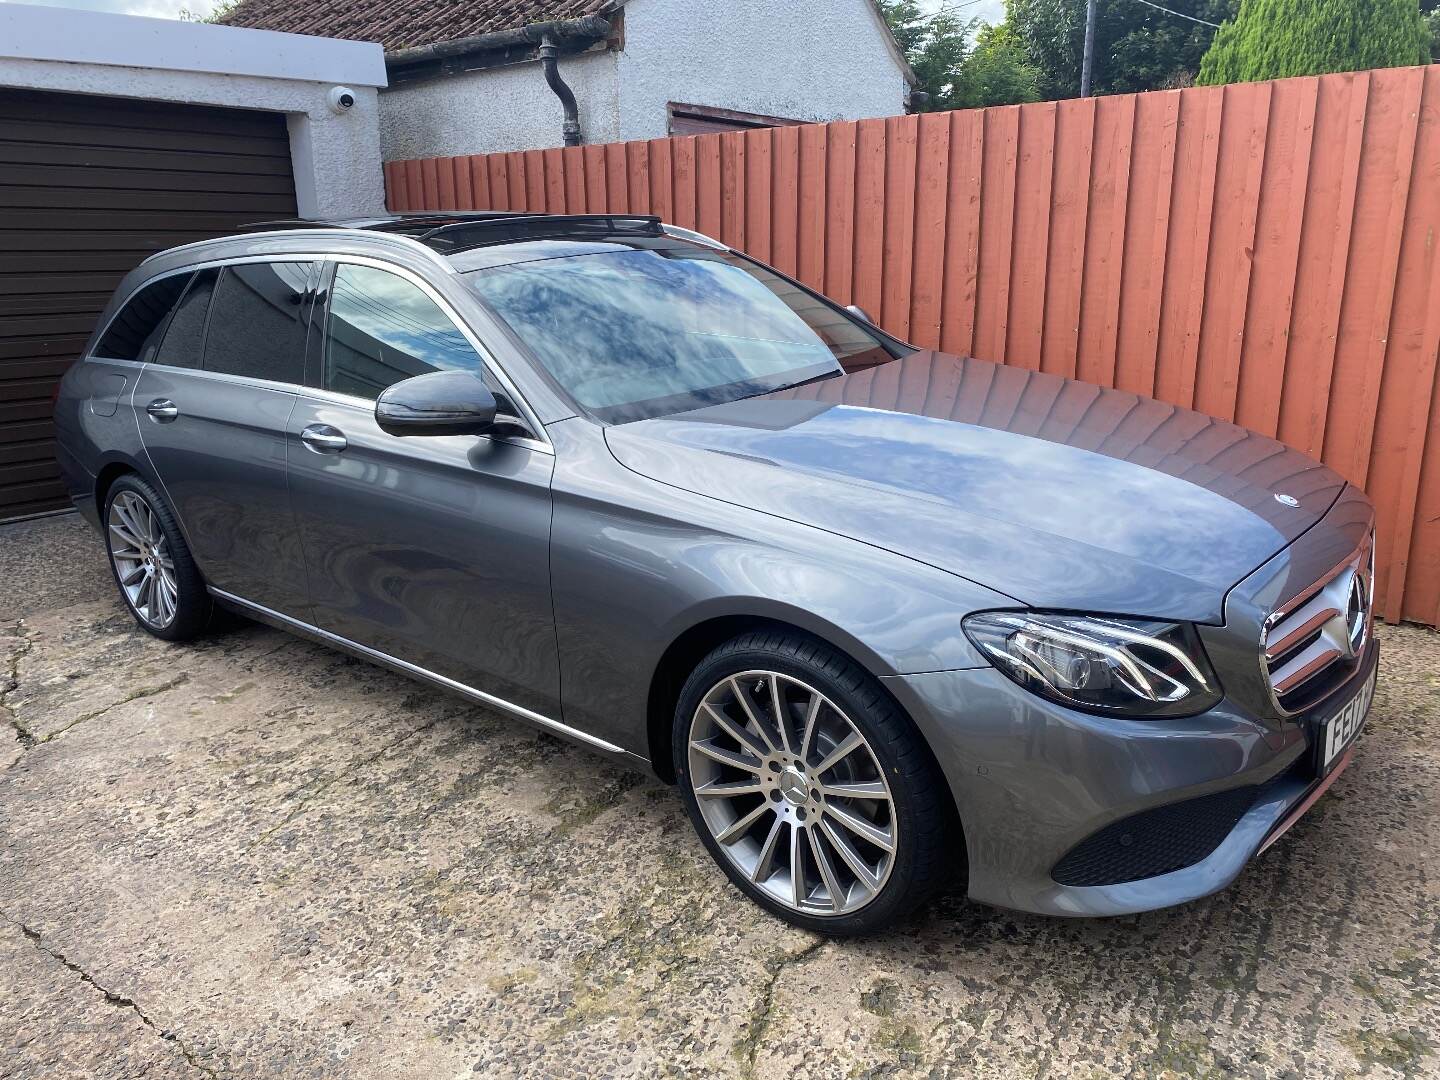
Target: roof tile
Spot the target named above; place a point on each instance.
(406, 24)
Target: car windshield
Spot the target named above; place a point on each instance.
(646, 331)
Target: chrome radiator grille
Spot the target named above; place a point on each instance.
(1312, 645)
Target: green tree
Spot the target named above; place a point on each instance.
(1136, 46)
(1273, 39)
(936, 46)
(996, 72)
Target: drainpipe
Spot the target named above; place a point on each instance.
(421, 61)
(548, 52)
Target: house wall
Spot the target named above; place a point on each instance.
(505, 108)
(805, 60)
(336, 157)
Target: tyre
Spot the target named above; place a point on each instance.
(809, 786)
(153, 569)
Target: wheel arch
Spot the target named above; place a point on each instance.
(110, 472)
(691, 645)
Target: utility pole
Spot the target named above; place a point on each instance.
(1087, 66)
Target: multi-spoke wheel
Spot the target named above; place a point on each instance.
(808, 785)
(151, 563)
(143, 564)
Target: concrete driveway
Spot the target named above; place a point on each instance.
(256, 857)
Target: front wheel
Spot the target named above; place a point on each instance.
(809, 786)
(158, 579)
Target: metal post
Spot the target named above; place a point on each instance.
(1087, 65)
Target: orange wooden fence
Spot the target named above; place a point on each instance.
(1265, 253)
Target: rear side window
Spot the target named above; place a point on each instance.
(135, 332)
(384, 328)
(257, 322)
(186, 334)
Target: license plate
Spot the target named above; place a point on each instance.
(1337, 733)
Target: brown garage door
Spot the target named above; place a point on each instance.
(88, 187)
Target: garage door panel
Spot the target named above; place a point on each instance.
(76, 262)
(97, 135)
(134, 113)
(48, 368)
(141, 240)
(37, 407)
(240, 206)
(15, 388)
(45, 324)
(96, 222)
(158, 180)
(55, 304)
(39, 284)
(28, 350)
(34, 498)
(89, 186)
(26, 452)
(104, 157)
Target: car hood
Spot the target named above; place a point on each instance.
(1057, 493)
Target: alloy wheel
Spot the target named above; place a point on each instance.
(792, 793)
(143, 563)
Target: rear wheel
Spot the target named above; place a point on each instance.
(808, 785)
(157, 577)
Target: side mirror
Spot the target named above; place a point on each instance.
(439, 403)
(859, 313)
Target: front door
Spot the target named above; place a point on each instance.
(433, 549)
(212, 409)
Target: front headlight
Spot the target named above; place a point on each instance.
(1121, 667)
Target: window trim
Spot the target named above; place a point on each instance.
(307, 311)
(537, 440)
(170, 321)
(163, 325)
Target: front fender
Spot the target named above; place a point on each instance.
(637, 564)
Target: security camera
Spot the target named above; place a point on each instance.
(341, 99)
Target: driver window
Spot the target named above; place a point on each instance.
(383, 329)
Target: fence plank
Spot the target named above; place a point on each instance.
(1105, 240)
(1264, 252)
(810, 226)
(1069, 212)
(962, 241)
(931, 193)
(869, 231)
(1030, 257)
(839, 213)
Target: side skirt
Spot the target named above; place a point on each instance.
(324, 637)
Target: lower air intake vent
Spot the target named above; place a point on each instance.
(1155, 842)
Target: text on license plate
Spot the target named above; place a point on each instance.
(1344, 725)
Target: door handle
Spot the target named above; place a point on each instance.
(162, 410)
(323, 439)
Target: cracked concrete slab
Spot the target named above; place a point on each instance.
(254, 857)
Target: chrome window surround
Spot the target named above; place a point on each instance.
(539, 441)
(1326, 624)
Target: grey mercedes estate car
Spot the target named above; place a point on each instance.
(890, 618)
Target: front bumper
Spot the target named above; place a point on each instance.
(1032, 780)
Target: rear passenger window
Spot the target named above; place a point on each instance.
(135, 332)
(186, 334)
(384, 329)
(257, 324)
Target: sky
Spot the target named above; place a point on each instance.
(992, 11)
(989, 10)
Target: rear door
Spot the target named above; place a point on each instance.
(212, 411)
(434, 550)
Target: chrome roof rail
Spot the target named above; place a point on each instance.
(322, 235)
